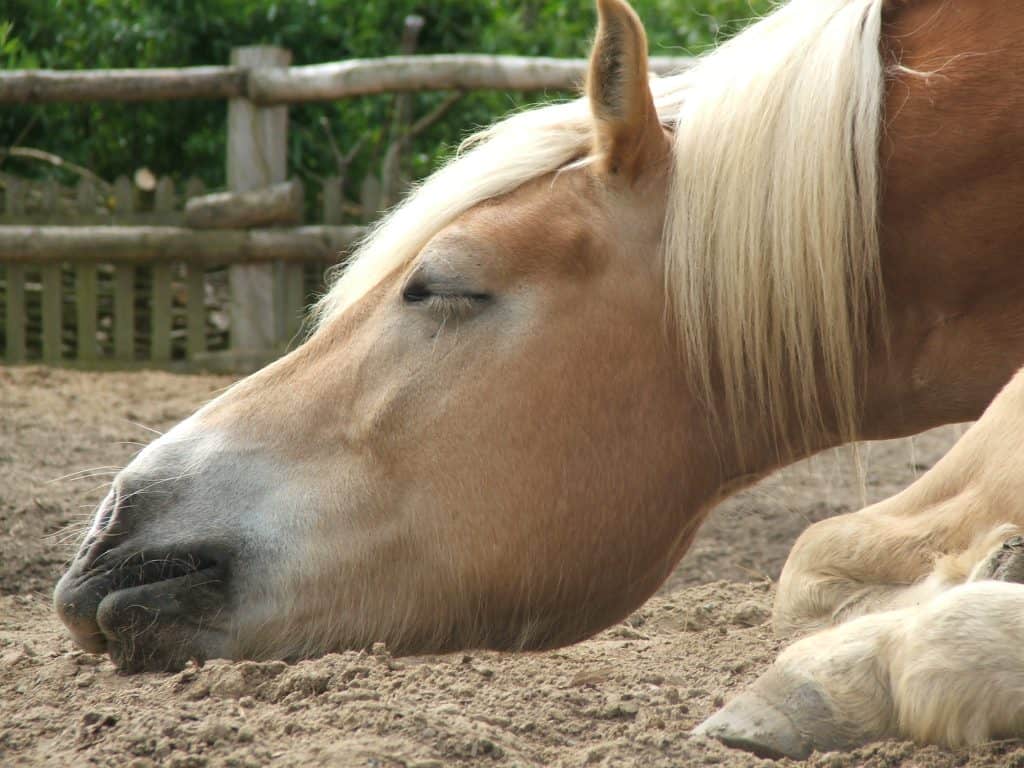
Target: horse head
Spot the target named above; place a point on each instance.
(485, 442)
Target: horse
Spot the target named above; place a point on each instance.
(541, 371)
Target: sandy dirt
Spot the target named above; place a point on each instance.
(626, 697)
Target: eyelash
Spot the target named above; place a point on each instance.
(415, 293)
(451, 306)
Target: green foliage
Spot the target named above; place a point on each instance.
(187, 138)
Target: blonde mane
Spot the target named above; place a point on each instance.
(770, 245)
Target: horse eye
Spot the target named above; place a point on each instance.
(415, 291)
(419, 291)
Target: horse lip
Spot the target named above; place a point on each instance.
(89, 600)
(87, 635)
(76, 600)
(157, 626)
(161, 599)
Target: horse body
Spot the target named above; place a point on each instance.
(950, 215)
(497, 436)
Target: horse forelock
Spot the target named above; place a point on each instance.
(770, 247)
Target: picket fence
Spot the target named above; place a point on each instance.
(98, 277)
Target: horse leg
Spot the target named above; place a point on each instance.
(943, 662)
(911, 547)
(947, 672)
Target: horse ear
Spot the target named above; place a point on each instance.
(627, 132)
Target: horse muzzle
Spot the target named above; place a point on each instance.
(150, 607)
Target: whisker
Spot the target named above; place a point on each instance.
(143, 426)
(146, 488)
(109, 474)
(77, 474)
(63, 535)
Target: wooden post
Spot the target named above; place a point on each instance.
(257, 157)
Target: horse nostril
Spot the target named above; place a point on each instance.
(116, 519)
(102, 536)
(106, 511)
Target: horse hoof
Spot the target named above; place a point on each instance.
(752, 723)
(1004, 564)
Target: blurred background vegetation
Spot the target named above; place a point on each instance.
(183, 139)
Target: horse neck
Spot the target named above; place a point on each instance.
(952, 157)
(951, 331)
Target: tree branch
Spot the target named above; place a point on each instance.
(30, 153)
(431, 117)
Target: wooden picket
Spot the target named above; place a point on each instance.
(52, 316)
(86, 310)
(15, 314)
(195, 311)
(160, 311)
(86, 289)
(124, 280)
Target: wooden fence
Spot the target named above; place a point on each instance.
(120, 282)
(105, 275)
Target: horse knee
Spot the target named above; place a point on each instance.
(814, 580)
(859, 563)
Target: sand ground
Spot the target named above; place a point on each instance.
(626, 697)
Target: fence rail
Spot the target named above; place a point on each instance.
(316, 82)
(157, 245)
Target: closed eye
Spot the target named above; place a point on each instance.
(418, 292)
(415, 292)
